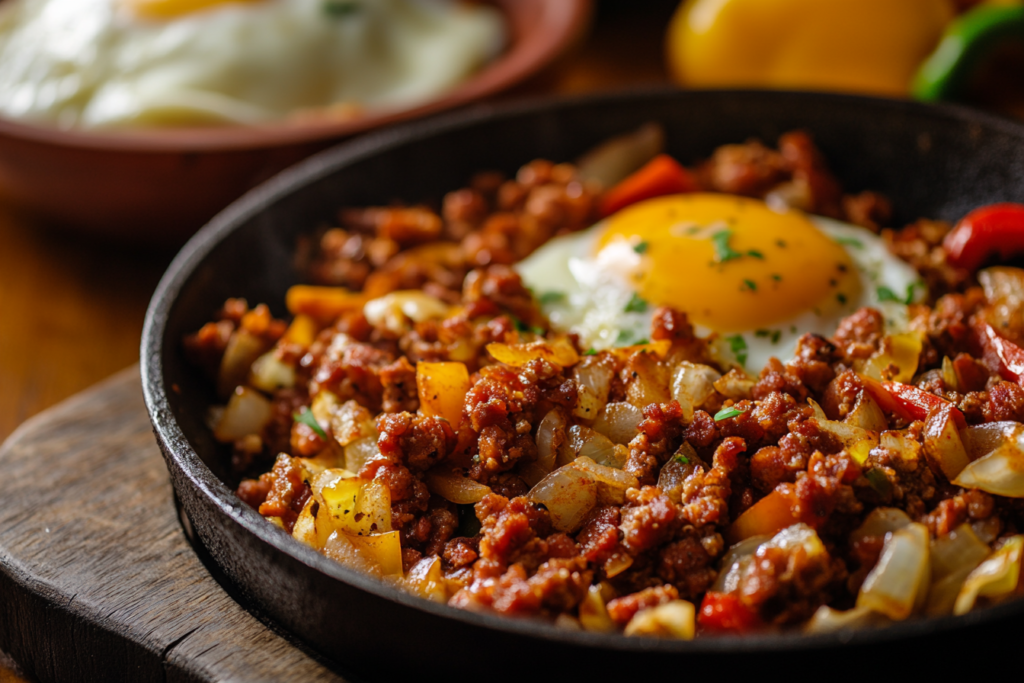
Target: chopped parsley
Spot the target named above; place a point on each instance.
(850, 242)
(305, 416)
(341, 8)
(749, 285)
(776, 277)
(879, 482)
(551, 297)
(738, 346)
(682, 459)
(726, 413)
(724, 252)
(841, 298)
(886, 294)
(641, 342)
(590, 352)
(641, 247)
(754, 253)
(774, 335)
(624, 338)
(636, 304)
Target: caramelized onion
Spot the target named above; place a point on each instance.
(568, 494)
(953, 557)
(899, 582)
(247, 413)
(611, 483)
(996, 577)
(692, 385)
(455, 487)
(675, 619)
(619, 421)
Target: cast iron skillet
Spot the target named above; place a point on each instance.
(934, 162)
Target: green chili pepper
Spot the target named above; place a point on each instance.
(967, 42)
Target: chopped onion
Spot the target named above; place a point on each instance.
(904, 446)
(618, 421)
(585, 442)
(899, 582)
(617, 157)
(350, 422)
(996, 577)
(880, 522)
(675, 619)
(385, 549)
(953, 557)
(426, 579)
(1001, 471)
(617, 563)
(361, 451)
(247, 412)
(734, 384)
(550, 435)
(340, 548)
(650, 380)
(867, 414)
(980, 440)
(677, 470)
(455, 487)
(1004, 292)
(569, 495)
(692, 385)
(593, 382)
(304, 530)
(942, 443)
(241, 352)
(269, 373)
(827, 620)
(735, 562)
(611, 483)
(594, 613)
(394, 311)
(847, 434)
(567, 621)
(358, 506)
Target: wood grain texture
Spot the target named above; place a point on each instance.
(97, 580)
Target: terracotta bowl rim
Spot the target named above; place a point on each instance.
(560, 24)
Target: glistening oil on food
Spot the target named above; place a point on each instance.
(627, 395)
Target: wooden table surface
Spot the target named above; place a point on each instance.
(71, 307)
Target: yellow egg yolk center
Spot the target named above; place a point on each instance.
(732, 263)
(168, 9)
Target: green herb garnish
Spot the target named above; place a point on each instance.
(750, 284)
(754, 253)
(551, 298)
(590, 352)
(636, 304)
(776, 277)
(341, 8)
(641, 247)
(682, 458)
(724, 252)
(738, 346)
(841, 298)
(850, 242)
(879, 482)
(305, 416)
(886, 294)
(726, 413)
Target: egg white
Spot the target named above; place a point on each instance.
(94, 63)
(589, 295)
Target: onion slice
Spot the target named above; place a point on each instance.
(996, 577)
(899, 582)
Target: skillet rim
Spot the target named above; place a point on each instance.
(179, 453)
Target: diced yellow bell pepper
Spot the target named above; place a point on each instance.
(167, 9)
(868, 46)
(322, 303)
(442, 388)
(358, 506)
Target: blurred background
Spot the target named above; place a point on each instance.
(73, 295)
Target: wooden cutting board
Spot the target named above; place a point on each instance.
(97, 580)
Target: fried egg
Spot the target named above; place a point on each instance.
(752, 277)
(108, 63)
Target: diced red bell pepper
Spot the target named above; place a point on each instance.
(660, 176)
(997, 229)
(726, 613)
(999, 353)
(908, 401)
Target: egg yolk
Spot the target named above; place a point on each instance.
(731, 263)
(166, 9)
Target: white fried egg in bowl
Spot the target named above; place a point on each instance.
(752, 277)
(97, 64)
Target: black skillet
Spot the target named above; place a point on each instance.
(936, 162)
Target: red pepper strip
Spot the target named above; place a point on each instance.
(660, 176)
(1000, 353)
(725, 613)
(908, 401)
(985, 232)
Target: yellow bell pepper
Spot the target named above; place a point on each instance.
(866, 46)
(168, 9)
